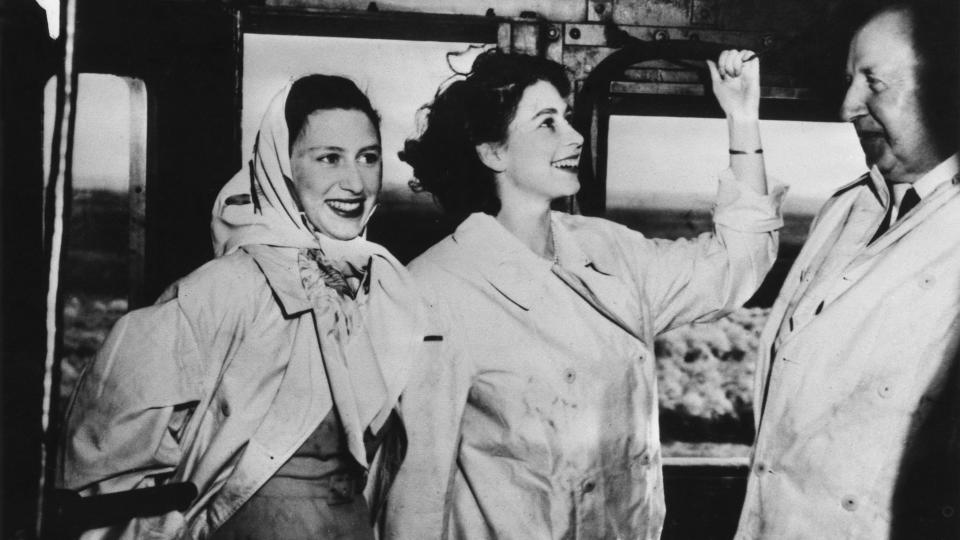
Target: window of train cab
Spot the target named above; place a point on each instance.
(102, 263)
(665, 144)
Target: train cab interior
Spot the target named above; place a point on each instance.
(130, 116)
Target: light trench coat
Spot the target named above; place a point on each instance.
(538, 417)
(218, 386)
(864, 338)
(225, 378)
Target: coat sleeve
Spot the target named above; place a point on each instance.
(432, 409)
(691, 280)
(124, 422)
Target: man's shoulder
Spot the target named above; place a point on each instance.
(845, 195)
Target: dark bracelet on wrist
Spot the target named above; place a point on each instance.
(743, 153)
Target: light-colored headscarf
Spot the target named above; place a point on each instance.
(368, 369)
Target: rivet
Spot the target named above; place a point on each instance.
(575, 33)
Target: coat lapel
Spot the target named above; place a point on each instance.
(518, 274)
(594, 280)
(863, 270)
(503, 261)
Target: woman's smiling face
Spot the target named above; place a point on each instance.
(542, 150)
(337, 170)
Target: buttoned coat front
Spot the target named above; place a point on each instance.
(538, 417)
(864, 336)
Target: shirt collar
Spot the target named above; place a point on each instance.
(928, 183)
(942, 173)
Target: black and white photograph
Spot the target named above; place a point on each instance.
(503, 270)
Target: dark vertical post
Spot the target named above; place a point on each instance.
(25, 60)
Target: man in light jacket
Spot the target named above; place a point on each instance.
(856, 388)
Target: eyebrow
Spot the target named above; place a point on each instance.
(542, 112)
(376, 147)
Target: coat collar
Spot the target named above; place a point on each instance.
(279, 266)
(520, 275)
(941, 193)
(502, 259)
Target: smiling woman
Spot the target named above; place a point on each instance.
(540, 155)
(541, 399)
(334, 154)
(268, 376)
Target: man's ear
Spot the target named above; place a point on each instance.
(491, 155)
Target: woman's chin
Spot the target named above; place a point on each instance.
(571, 187)
(340, 229)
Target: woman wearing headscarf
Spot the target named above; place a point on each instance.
(538, 418)
(266, 377)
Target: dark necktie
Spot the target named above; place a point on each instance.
(910, 199)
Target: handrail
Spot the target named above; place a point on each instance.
(73, 514)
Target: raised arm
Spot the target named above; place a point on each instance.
(703, 278)
(736, 84)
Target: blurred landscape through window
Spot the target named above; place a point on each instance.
(100, 261)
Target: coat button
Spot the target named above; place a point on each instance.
(849, 503)
(589, 486)
(927, 281)
(884, 390)
(569, 375)
(761, 468)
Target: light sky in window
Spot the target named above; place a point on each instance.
(671, 162)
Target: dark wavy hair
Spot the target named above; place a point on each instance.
(323, 92)
(468, 112)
